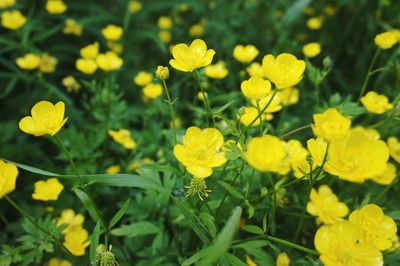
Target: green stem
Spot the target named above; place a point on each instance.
(259, 111)
(292, 245)
(59, 142)
(317, 93)
(295, 131)
(206, 103)
(271, 223)
(371, 65)
(171, 110)
(383, 192)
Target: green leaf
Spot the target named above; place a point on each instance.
(196, 257)
(231, 190)
(86, 201)
(222, 108)
(31, 169)
(224, 239)
(94, 242)
(119, 214)
(253, 229)
(253, 244)
(234, 261)
(135, 229)
(294, 11)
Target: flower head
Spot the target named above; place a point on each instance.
(112, 32)
(47, 190)
(288, 96)
(47, 63)
(216, 71)
(76, 240)
(284, 71)
(8, 177)
(331, 125)
(72, 27)
(12, 19)
(123, 137)
(387, 176)
(315, 23)
(165, 23)
(245, 54)
(90, 51)
(6, 3)
(143, 78)
(135, 6)
(152, 91)
(255, 70)
(375, 228)
(113, 169)
(45, 118)
(56, 6)
(376, 103)
(201, 151)
(69, 218)
(255, 88)
(394, 148)
(283, 259)
(247, 115)
(28, 61)
(86, 66)
(312, 49)
(109, 61)
(386, 40)
(162, 72)
(188, 58)
(71, 84)
(57, 262)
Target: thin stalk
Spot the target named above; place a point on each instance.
(171, 110)
(295, 131)
(59, 142)
(206, 103)
(371, 65)
(259, 111)
(384, 191)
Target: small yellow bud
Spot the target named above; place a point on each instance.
(162, 72)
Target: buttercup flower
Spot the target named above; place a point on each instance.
(255, 70)
(112, 32)
(283, 259)
(394, 148)
(68, 217)
(376, 103)
(72, 27)
(368, 132)
(165, 36)
(331, 125)
(8, 177)
(47, 63)
(143, 78)
(315, 23)
(201, 151)
(45, 118)
(247, 115)
(12, 19)
(387, 176)
(152, 91)
(109, 61)
(6, 3)
(135, 6)
(116, 47)
(288, 96)
(216, 71)
(76, 241)
(56, 6)
(57, 262)
(165, 23)
(71, 84)
(86, 66)
(274, 106)
(312, 49)
(123, 137)
(297, 157)
(90, 51)
(255, 88)
(28, 61)
(249, 261)
(284, 71)
(47, 190)
(385, 40)
(189, 58)
(196, 30)
(113, 169)
(245, 54)
(375, 228)
(266, 153)
(338, 246)
(162, 73)
(325, 205)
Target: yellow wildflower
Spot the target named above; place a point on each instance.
(165, 23)
(112, 32)
(165, 36)
(109, 61)
(69, 218)
(71, 84)
(247, 115)
(12, 19)
(143, 78)
(6, 3)
(255, 70)
(123, 137)
(86, 66)
(152, 91)
(376, 103)
(282, 259)
(255, 88)
(394, 148)
(386, 40)
(47, 63)
(113, 169)
(76, 241)
(312, 49)
(196, 30)
(216, 71)
(135, 6)
(47, 190)
(315, 23)
(162, 73)
(57, 262)
(90, 51)
(8, 178)
(331, 125)
(387, 176)
(288, 96)
(72, 27)
(28, 61)
(56, 6)
(245, 54)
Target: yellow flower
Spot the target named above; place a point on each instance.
(47, 63)
(312, 49)
(216, 71)
(90, 51)
(45, 118)
(331, 125)
(247, 115)
(109, 61)
(387, 176)
(57, 262)
(8, 177)
(317, 148)
(325, 205)
(255, 70)
(283, 259)
(394, 148)
(297, 157)
(162, 73)
(28, 61)
(266, 153)
(152, 91)
(72, 27)
(201, 96)
(69, 218)
(76, 241)
(284, 70)
(143, 78)
(165, 23)
(135, 6)
(56, 6)
(376, 103)
(71, 84)
(386, 40)
(87, 66)
(189, 58)
(315, 23)
(165, 36)
(376, 228)
(116, 47)
(112, 32)
(113, 169)
(245, 54)
(47, 190)
(249, 261)
(274, 106)
(6, 3)
(288, 96)
(196, 30)
(255, 88)
(338, 246)
(123, 137)
(330, 10)
(201, 151)
(12, 19)
(368, 132)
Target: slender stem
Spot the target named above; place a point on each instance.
(206, 103)
(292, 245)
(31, 220)
(259, 111)
(317, 93)
(69, 158)
(171, 110)
(271, 224)
(384, 191)
(371, 65)
(295, 131)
